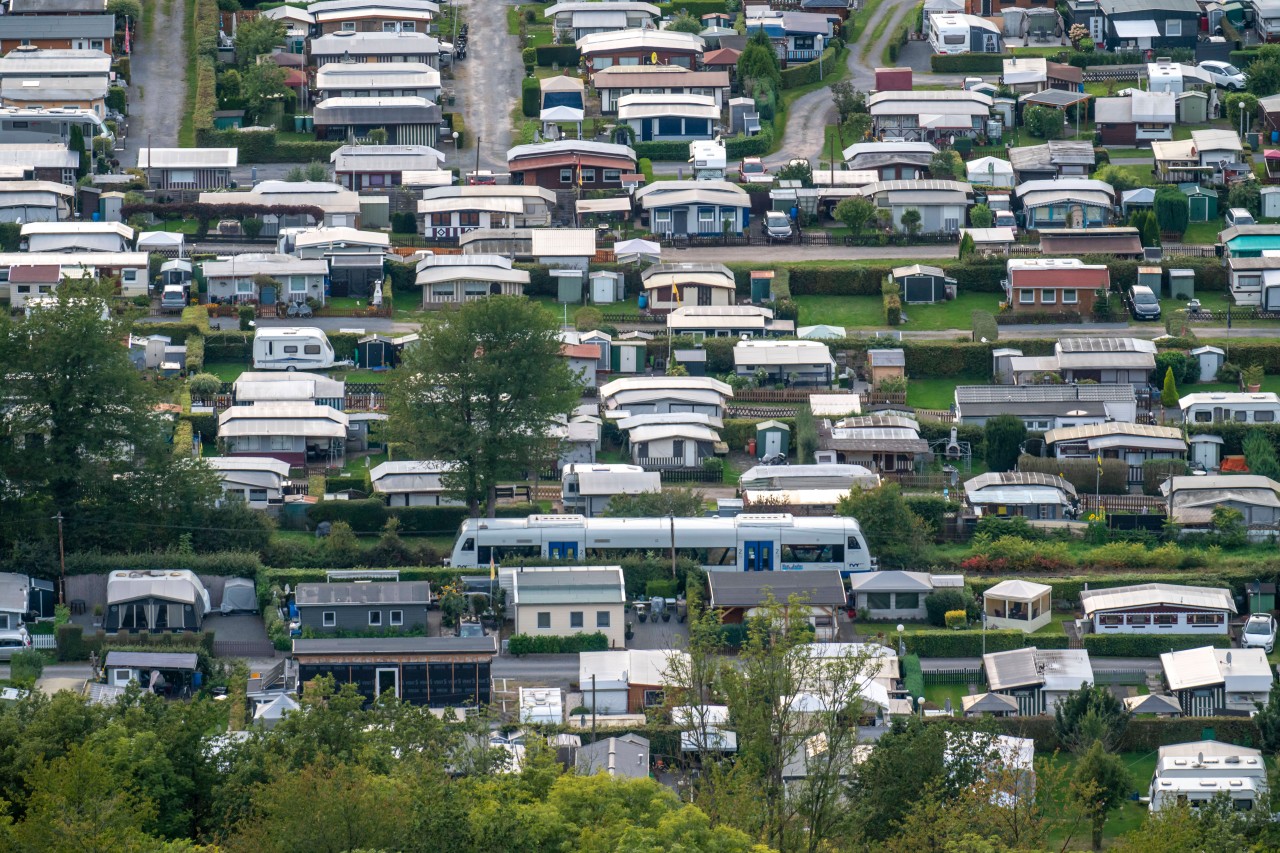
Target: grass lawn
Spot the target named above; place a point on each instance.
(938, 694)
(1049, 51)
(358, 465)
(954, 314)
(1140, 174)
(1209, 301)
(187, 127)
(227, 371)
(1055, 624)
(1131, 814)
(938, 393)
(868, 311)
(863, 17)
(1202, 232)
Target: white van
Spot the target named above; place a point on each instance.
(708, 159)
(291, 348)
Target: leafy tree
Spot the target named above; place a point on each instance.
(675, 368)
(1169, 391)
(855, 212)
(1260, 455)
(1121, 179)
(967, 246)
(483, 387)
(1042, 122)
(318, 172)
(1150, 229)
(252, 227)
(1268, 720)
(1088, 714)
(1171, 210)
(1003, 436)
(204, 384)
(295, 175)
(255, 37)
(947, 166)
(26, 667)
(940, 601)
(797, 170)
(895, 535)
(125, 9)
(341, 545)
(262, 82)
(849, 102)
(1228, 526)
(76, 143)
(680, 503)
(759, 62)
(683, 22)
(1214, 826)
(1248, 195)
(911, 221)
(980, 216)
(1103, 784)
(378, 136)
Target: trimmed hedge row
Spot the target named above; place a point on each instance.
(563, 55)
(72, 644)
(958, 63)
(264, 146)
(235, 345)
(530, 97)
(242, 564)
(941, 643)
(1082, 473)
(1148, 645)
(913, 676)
(570, 644)
(796, 76)
(370, 514)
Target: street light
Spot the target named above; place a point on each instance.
(920, 705)
(902, 650)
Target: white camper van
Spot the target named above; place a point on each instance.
(708, 159)
(958, 33)
(296, 348)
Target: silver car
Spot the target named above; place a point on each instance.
(12, 642)
(1259, 633)
(1224, 74)
(777, 225)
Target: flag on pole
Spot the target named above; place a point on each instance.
(493, 570)
(675, 293)
(1099, 461)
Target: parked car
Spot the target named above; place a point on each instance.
(752, 170)
(1259, 633)
(1005, 219)
(12, 642)
(777, 226)
(1223, 74)
(173, 299)
(482, 178)
(1238, 216)
(1143, 303)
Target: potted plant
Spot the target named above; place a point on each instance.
(97, 615)
(1252, 377)
(631, 631)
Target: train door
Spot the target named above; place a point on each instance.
(758, 556)
(562, 550)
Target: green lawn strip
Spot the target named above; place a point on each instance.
(953, 314)
(881, 23)
(1203, 232)
(938, 393)
(187, 129)
(1045, 51)
(862, 16)
(1141, 175)
(1131, 814)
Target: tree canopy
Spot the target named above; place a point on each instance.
(897, 536)
(485, 388)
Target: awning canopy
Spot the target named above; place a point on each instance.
(1137, 29)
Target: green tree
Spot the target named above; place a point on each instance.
(895, 535)
(252, 227)
(1169, 391)
(1003, 437)
(76, 143)
(947, 166)
(1268, 721)
(341, 545)
(263, 82)
(122, 9)
(483, 387)
(1042, 122)
(967, 246)
(680, 503)
(1171, 210)
(317, 171)
(255, 37)
(1150, 229)
(980, 216)
(683, 22)
(759, 62)
(911, 221)
(295, 175)
(1260, 455)
(1103, 784)
(1248, 195)
(797, 170)
(1213, 826)
(1088, 714)
(855, 212)
(849, 102)
(1121, 179)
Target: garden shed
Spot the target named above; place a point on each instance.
(772, 437)
(1206, 451)
(1182, 284)
(1271, 202)
(923, 284)
(1211, 359)
(1202, 204)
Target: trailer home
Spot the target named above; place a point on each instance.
(291, 348)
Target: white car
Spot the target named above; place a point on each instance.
(1223, 74)
(1259, 633)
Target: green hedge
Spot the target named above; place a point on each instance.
(1142, 734)
(662, 150)
(241, 564)
(264, 146)
(796, 76)
(1082, 473)
(182, 439)
(370, 514)
(563, 55)
(968, 63)
(364, 516)
(913, 676)
(941, 643)
(341, 484)
(1147, 645)
(530, 97)
(72, 643)
(572, 644)
(695, 8)
(206, 424)
(737, 147)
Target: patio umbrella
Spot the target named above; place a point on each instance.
(629, 251)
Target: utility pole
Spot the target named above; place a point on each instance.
(673, 531)
(593, 707)
(477, 157)
(62, 557)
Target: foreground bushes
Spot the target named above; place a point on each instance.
(1148, 645)
(572, 644)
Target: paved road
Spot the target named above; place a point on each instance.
(784, 254)
(487, 84)
(158, 89)
(544, 668)
(1099, 664)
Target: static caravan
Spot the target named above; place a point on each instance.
(285, 348)
(955, 33)
(708, 159)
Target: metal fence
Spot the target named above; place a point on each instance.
(690, 475)
(1189, 250)
(954, 676)
(1119, 676)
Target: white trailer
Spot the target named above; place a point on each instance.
(291, 348)
(707, 156)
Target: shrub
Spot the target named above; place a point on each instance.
(70, 643)
(364, 516)
(563, 55)
(25, 668)
(530, 97)
(523, 644)
(1082, 473)
(968, 63)
(940, 602)
(244, 564)
(1148, 646)
(956, 618)
(966, 644)
(913, 676)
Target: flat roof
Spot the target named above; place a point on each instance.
(396, 645)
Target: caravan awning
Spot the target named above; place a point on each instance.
(1136, 29)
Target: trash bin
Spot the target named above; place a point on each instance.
(751, 447)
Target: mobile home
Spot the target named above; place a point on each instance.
(955, 33)
(291, 348)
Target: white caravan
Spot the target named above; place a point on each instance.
(286, 348)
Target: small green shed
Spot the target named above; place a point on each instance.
(761, 285)
(1182, 284)
(772, 437)
(1151, 277)
(1193, 107)
(1202, 204)
(1262, 596)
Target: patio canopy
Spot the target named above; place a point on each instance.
(989, 703)
(1059, 99)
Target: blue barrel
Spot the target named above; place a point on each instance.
(1275, 136)
(644, 301)
(197, 678)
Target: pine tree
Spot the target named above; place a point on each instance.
(1169, 394)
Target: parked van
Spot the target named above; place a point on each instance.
(708, 159)
(953, 32)
(1143, 303)
(1238, 216)
(291, 348)
(173, 299)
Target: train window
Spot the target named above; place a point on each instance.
(503, 553)
(854, 544)
(469, 544)
(829, 553)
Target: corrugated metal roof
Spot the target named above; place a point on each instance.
(248, 265)
(380, 592)
(405, 109)
(1043, 393)
(1155, 594)
(366, 44)
(565, 242)
(644, 39)
(782, 353)
(1008, 670)
(44, 27)
(282, 419)
(1115, 428)
(152, 660)
(37, 155)
(396, 646)
(17, 90)
(188, 158)
(248, 463)
(1207, 666)
(891, 581)
(749, 589)
(1017, 478)
(656, 432)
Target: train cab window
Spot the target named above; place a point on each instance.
(854, 544)
(469, 544)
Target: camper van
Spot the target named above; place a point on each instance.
(708, 159)
(951, 32)
(284, 348)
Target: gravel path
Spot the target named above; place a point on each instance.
(487, 84)
(158, 90)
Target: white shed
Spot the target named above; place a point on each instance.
(1211, 359)
(1271, 202)
(1206, 451)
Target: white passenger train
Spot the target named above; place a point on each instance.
(751, 542)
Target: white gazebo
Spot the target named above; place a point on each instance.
(1019, 605)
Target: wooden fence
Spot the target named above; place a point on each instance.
(785, 395)
(1141, 504)
(954, 676)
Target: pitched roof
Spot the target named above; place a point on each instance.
(749, 589)
(1154, 594)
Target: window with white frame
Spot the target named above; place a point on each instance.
(329, 618)
(588, 176)
(1173, 27)
(1026, 296)
(396, 617)
(613, 176)
(566, 176)
(1070, 296)
(375, 617)
(602, 618)
(544, 619)
(1048, 296)
(297, 284)
(349, 26)
(244, 286)
(706, 214)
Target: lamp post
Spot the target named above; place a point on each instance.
(902, 649)
(455, 147)
(920, 705)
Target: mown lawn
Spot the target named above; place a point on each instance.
(938, 393)
(955, 314)
(1141, 174)
(1202, 232)
(868, 311)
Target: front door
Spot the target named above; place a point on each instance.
(772, 443)
(387, 680)
(758, 556)
(680, 221)
(562, 550)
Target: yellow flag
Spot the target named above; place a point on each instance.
(1099, 461)
(493, 570)
(675, 293)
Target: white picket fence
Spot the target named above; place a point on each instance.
(43, 641)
